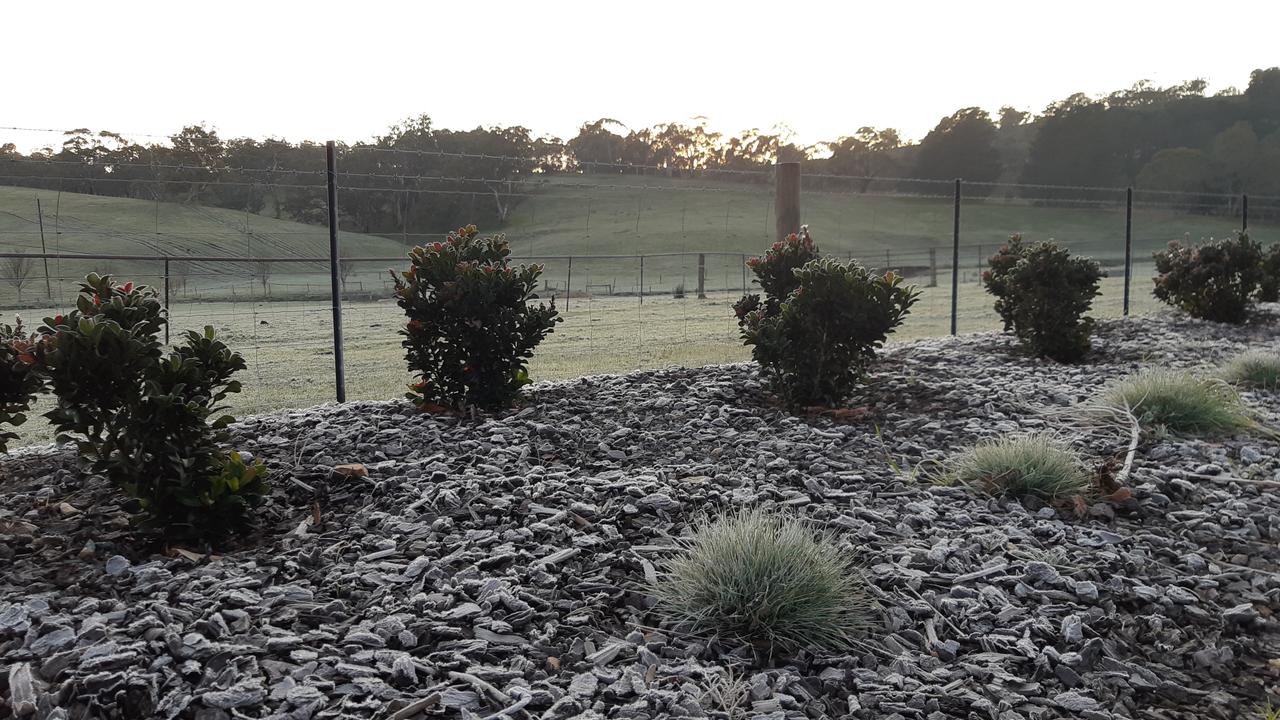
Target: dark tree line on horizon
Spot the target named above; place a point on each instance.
(419, 176)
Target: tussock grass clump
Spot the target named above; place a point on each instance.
(1254, 368)
(1179, 401)
(1034, 465)
(764, 578)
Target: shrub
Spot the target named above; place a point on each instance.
(815, 342)
(775, 271)
(1033, 465)
(471, 328)
(1042, 295)
(1269, 285)
(764, 578)
(1214, 281)
(141, 417)
(1254, 368)
(1179, 401)
(19, 382)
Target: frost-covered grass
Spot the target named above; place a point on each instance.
(1255, 369)
(1180, 401)
(765, 578)
(1033, 465)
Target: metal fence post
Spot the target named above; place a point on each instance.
(335, 287)
(48, 289)
(568, 284)
(955, 261)
(641, 279)
(702, 276)
(168, 315)
(1244, 213)
(1128, 246)
(933, 267)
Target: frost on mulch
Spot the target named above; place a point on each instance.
(497, 563)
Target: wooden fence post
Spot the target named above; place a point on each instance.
(786, 201)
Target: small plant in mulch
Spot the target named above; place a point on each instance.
(1254, 369)
(1035, 465)
(1041, 468)
(1042, 294)
(20, 381)
(147, 420)
(817, 329)
(1216, 280)
(471, 324)
(1178, 401)
(767, 579)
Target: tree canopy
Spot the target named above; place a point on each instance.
(417, 175)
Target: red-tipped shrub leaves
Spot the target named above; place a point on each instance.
(140, 416)
(472, 327)
(815, 342)
(1042, 295)
(19, 380)
(1213, 281)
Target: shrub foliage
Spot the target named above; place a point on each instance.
(19, 380)
(1269, 285)
(1214, 281)
(764, 578)
(1042, 295)
(140, 416)
(821, 322)
(471, 327)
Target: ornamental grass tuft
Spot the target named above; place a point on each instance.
(1036, 465)
(1178, 401)
(764, 578)
(1254, 369)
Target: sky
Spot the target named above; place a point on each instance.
(346, 71)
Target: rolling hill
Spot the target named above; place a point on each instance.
(605, 222)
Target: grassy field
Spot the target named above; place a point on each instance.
(288, 345)
(89, 224)
(572, 216)
(578, 215)
(283, 327)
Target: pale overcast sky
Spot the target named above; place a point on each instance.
(346, 71)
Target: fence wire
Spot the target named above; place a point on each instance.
(644, 263)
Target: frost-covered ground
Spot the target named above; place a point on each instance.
(498, 562)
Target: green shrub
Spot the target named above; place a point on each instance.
(1042, 295)
(471, 328)
(19, 380)
(1033, 465)
(1254, 368)
(141, 417)
(775, 270)
(1179, 401)
(1214, 281)
(764, 578)
(1269, 285)
(814, 343)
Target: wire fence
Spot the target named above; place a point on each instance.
(644, 262)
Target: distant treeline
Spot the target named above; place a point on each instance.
(423, 178)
